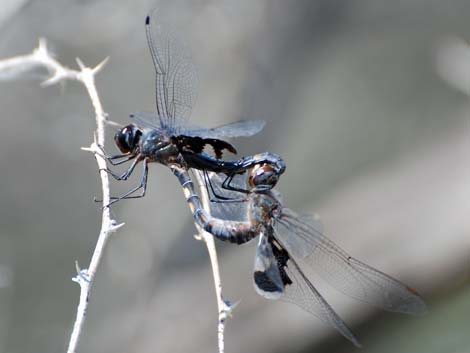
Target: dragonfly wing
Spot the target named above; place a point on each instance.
(304, 240)
(266, 276)
(152, 120)
(244, 128)
(302, 293)
(234, 211)
(277, 275)
(176, 77)
(146, 119)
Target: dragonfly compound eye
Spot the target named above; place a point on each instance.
(127, 138)
(263, 177)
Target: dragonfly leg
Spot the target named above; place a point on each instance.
(208, 183)
(126, 159)
(229, 200)
(142, 185)
(226, 185)
(126, 174)
(111, 158)
(218, 198)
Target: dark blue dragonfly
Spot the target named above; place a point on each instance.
(165, 136)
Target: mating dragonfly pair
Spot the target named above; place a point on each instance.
(286, 239)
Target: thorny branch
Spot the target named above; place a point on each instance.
(40, 57)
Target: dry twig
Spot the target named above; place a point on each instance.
(225, 308)
(41, 57)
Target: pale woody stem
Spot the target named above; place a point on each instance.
(222, 306)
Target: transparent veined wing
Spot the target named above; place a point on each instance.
(152, 120)
(175, 74)
(243, 128)
(302, 293)
(303, 239)
(277, 276)
(233, 211)
(146, 119)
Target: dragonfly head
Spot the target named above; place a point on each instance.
(263, 177)
(127, 139)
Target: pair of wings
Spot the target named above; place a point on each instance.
(243, 128)
(176, 84)
(302, 238)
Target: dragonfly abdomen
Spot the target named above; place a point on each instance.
(232, 231)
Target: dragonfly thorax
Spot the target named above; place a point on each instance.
(264, 207)
(158, 147)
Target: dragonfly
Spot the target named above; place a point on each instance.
(288, 241)
(166, 137)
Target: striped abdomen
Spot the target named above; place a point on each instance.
(232, 231)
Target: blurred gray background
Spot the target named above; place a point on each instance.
(375, 142)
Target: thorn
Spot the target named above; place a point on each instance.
(80, 63)
(114, 226)
(88, 149)
(230, 307)
(113, 123)
(94, 148)
(42, 46)
(77, 267)
(100, 66)
(52, 80)
(82, 275)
